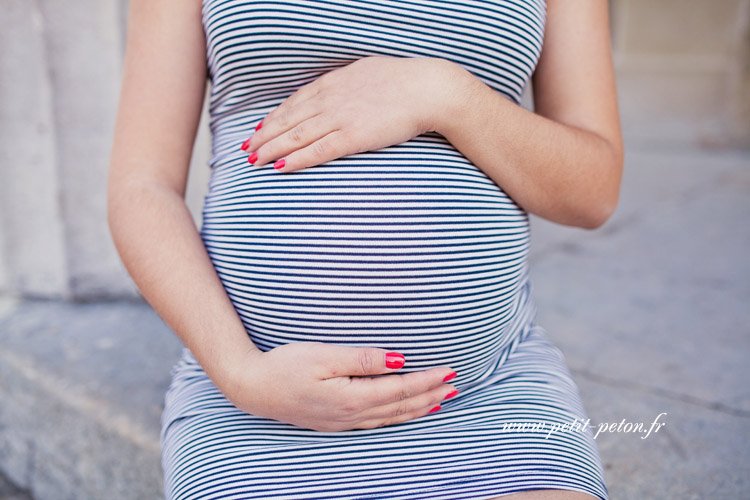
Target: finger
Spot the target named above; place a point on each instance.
(313, 129)
(429, 399)
(285, 116)
(397, 419)
(327, 148)
(299, 96)
(342, 361)
(394, 388)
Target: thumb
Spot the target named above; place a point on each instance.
(360, 361)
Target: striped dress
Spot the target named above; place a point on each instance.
(410, 248)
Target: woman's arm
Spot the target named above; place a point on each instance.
(164, 81)
(313, 385)
(563, 162)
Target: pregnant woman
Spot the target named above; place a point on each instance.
(356, 308)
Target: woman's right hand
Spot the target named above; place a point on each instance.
(330, 388)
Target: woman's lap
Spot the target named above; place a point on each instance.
(513, 432)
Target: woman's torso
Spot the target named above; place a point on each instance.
(410, 247)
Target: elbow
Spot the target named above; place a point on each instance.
(114, 205)
(600, 207)
(589, 215)
(123, 198)
(598, 215)
(603, 205)
(112, 220)
(111, 205)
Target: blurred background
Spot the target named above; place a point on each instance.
(651, 310)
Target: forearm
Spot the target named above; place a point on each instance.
(559, 172)
(163, 252)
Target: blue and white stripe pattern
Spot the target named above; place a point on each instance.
(409, 248)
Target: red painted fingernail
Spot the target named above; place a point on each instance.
(253, 157)
(450, 376)
(279, 164)
(259, 125)
(450, 395)
(435, 409)
(394, 360)
(245, 145)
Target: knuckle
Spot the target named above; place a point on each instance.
(350, 407)
(283, 117)
(403, 392)
(366, 361)
(319, 149)
(296, 133)
(401, 409)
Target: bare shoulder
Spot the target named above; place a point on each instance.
(163, 84)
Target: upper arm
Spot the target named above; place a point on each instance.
(163, 84)
(574, 82)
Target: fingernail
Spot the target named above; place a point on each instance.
(450, 376)
(253, 157)
(450, 395)
(245, 145)
(436, 409)
(259, 125)
(394, 360)
(279, 164)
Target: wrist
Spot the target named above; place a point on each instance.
(233, 374)
(454, 92)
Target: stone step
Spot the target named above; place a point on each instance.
(82, 388)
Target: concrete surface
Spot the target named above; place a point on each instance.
(9, 491)
(650, 311)
(82, 388)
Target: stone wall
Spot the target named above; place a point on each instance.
(683, 80)
(60, 67)
(683, 69)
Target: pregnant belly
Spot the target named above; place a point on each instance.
(410, 248)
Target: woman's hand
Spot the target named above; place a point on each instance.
(367, 105)
(329, 388)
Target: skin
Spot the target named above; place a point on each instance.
(563, 162)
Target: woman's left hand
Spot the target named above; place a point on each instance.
(367, 105)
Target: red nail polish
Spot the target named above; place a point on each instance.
(394, 360)
(279, 164)
(245, 145)
(450, 395)
(450, 376)
(435, 409)
(253, 157)
(259, 125)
